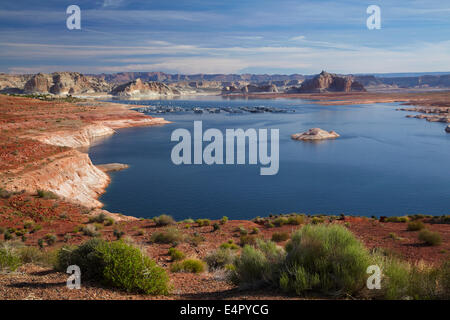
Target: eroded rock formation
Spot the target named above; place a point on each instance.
(315, 134)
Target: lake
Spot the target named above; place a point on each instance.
(383, 164)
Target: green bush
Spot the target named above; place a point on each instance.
(402, 280)
(90, 231)
(229, 245)
(116, 264)
(9, 259)
(259, 265)
(39, 257)
(50, 239)
(280, 221)
(224, 220)
(430, 238)
(242, 231)
(415, 226)
(176, 254)
(317, 220)
(328, 259)
(169, 235)
(188, 265)
(203, 222)
(216, 227)
(44, 194)
(247, 240)
(280, 236)
(397, 219)
(163, 220)
(100, 218)
(118, 234)
(219, 258)
(296, 220)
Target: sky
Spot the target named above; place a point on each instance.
(226, 36)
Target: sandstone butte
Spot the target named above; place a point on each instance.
(40, 143)
(315, 134)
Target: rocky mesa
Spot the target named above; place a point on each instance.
(328, 82)
(141, 89)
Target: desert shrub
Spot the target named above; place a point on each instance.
(242, 231)
(219, 258)
(176, 254)
(444, 219)
(188, 265)
(269, 224)
(118, 234)
(163, 220)
(415, 226)
(39, 257)
(90, 231)
(7, 235)
(140, 232)
(224, 220)
(397, 219)
(190, 221)
(50, 239)
(196, 239)
(116, 264)
(255, 230)
(394, 236)
(317, 220)
(402, 280)
(40, 243)
(280, 221)
(328, 259)
(45, 194)
(280, 236)
(247, 240)
(430, 238)
(28, 224)
(169, 235)
(109, 221)
(36, 227)
(296, 220)
(203, 222)
(229, 245)
(100, 218)
(259, 265)
(9, 259)
(216, 227)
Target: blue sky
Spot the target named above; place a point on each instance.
(246, 36)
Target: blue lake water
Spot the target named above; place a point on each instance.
(383, 164)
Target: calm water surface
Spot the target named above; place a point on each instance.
(383, 164)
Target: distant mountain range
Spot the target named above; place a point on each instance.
(160, 83)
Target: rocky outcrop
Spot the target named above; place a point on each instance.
(112, 167)
(315, 134)
(64, 83)
(70, 175)
(250, 88)
(75, 139)
(327, 82)
(141, 88)
(13, 83)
